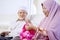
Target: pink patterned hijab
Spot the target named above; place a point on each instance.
(52, 22)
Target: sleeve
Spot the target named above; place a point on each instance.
(53, 30)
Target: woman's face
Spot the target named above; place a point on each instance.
(22, 14)
(45, 11)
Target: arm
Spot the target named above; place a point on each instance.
(29, 25)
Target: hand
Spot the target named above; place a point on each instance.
(28, 27)
(43, 31)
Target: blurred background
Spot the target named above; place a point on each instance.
(9, 8)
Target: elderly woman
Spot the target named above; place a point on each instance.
(22, 20)
(17, 26)
(50, 26)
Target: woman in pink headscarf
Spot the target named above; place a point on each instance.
(51, 23)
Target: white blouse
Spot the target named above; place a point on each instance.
(16, 28)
